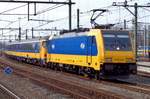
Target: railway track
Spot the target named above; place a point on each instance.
(46, 80)
(141, 88)
(129, 85)
(64, 86)
(7, 94)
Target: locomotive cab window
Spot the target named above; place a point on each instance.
(117, 41)
(109, 41)
(123, 41)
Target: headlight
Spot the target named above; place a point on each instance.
(108, 59)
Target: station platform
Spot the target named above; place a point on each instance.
(143, 63)
(143, 66)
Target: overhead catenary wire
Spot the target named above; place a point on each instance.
(64, 18)
(40, 12)
(51, 8)
(6, 20)
(132, 19)
(13, 9)
(86, 12)
(60, 19)
(14, 22)
(146, 9)
(26, 17)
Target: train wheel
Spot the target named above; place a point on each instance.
(97, 75)
(79, 71)
(76, 70)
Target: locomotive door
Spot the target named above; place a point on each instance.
(43, 51)
(89, 49)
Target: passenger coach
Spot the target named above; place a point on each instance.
(31, 51)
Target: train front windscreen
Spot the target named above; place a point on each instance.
(117, 41)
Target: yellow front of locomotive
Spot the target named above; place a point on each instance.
(119, 57)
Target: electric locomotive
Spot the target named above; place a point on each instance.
(96, 52)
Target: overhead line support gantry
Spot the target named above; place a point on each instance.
(69, 3)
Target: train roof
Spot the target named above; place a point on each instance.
(83, 32)
(72, 34)
(112, 30)
(27, 41)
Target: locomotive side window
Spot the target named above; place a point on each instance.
(123, 41)
(109, 41)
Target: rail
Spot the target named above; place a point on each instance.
(8, 93)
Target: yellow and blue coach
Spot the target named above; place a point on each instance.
(31, 51)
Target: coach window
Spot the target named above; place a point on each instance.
(10, 47)
(25, 47)
(20, 47)
(14, 47)
(30, 47)
(36, 47)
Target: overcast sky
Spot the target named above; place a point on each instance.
(115, 15)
